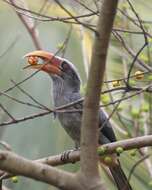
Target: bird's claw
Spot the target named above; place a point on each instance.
(65, 155)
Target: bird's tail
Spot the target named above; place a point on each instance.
(120, 177)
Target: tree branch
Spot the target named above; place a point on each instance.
(128, 144)
(18, 165)
(110, 148)
(89, 132)
(28, 23)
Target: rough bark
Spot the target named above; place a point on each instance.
(89, 133)
(18, 165)
(128, 144)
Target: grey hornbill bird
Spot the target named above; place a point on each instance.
(66, 89)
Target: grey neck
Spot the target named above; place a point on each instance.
(63, 90)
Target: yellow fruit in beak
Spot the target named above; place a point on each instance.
(33, 60)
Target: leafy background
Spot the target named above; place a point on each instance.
(44, 136)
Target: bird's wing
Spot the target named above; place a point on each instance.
(106, 128)
(74, 97)
(106, 132)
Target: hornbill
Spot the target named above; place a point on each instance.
(66, 89)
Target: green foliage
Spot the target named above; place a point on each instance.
(133, 152)
(135, 112)
(119, 150)
(145, 107)
(150, 77)
(83, 89)
(150, 183)
(108, 159)
(105, 99)
(14, 179)
(132, 82)
(101, 151)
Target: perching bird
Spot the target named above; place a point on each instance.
(66, 89)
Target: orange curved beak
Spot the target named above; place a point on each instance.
(50, 64)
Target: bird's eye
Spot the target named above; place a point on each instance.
(64, 66)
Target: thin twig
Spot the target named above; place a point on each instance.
(141, 49)
(29, 24)
(63, 108)
(5, 110)
(48, 18)
(12, 44)
(30, 96)
(73, 17)
(20, 101)
(136, 164)
(131, 52)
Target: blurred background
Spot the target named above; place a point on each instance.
(43, 136)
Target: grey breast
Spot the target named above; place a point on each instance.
(71, 122)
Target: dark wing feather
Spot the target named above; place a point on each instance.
(106, 128)
(106, 132)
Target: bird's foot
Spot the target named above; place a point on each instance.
(65, 155)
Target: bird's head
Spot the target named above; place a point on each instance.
(58, 68)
